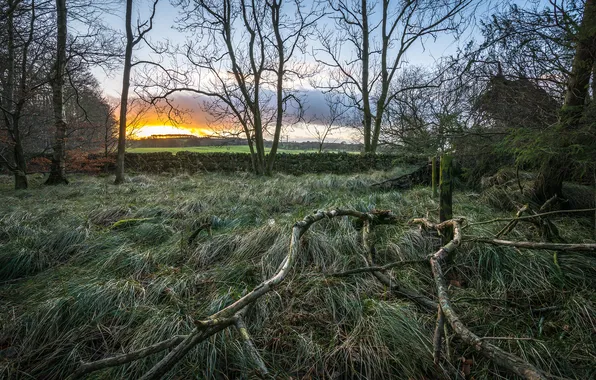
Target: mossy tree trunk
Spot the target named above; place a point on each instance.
(555, 169)
(435, 176)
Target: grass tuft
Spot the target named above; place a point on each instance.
(72, 288)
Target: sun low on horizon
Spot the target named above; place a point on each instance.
(151, 130)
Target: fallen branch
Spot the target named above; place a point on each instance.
(85, 368)
(498, 356)
(507, 338)
(586, 247)
(511, 225)
(377, 268)
(529, 216)
(249, 345)
(226, 316)
(510, 303)
(423, 301)
(438, 337)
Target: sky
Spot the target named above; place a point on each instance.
(197, 121)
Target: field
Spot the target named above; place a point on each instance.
(90, 270)
(213, 149)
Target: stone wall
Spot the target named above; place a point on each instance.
(339, 163)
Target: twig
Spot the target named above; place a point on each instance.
(117, 360)
(507, 338)
(438, 337)
(529, 216)
(377, 268)
(511, 225)
(509, 303)
(586, 247)
(395, 287)
(548, 202)
(250, 347)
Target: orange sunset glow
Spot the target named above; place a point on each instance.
(145, 122)
(148, 130)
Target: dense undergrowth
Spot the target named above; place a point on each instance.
(75, 287)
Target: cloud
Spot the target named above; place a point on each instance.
(190, 114)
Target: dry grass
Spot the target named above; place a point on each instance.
(74, 288)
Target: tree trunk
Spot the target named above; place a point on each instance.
(434, 175)
(275, 14)
(555, 169)
(58, 166)
(11, 117)
(124, 95)
(20, 174)
(367, 116)
(259, 143)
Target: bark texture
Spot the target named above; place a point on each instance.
(58, 167)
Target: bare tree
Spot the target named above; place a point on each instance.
(142, 29)
(24, 69)
(246, 57)
(323, 126)
(377, 47)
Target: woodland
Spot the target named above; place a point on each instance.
(473, 257)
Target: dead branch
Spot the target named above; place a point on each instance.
(377, 268)
(231, 315)
(508, 338)
(587, 247)
(252, 351)
(509, 303)
(548, 203)
(85, 368)
(448, 248)
(529, 216)
(498, 356)
(511, 225)
(438, 337)
(423, 301)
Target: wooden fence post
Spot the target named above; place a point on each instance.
(434, 175)
(446, 195)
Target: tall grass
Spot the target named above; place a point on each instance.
(75, 288)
